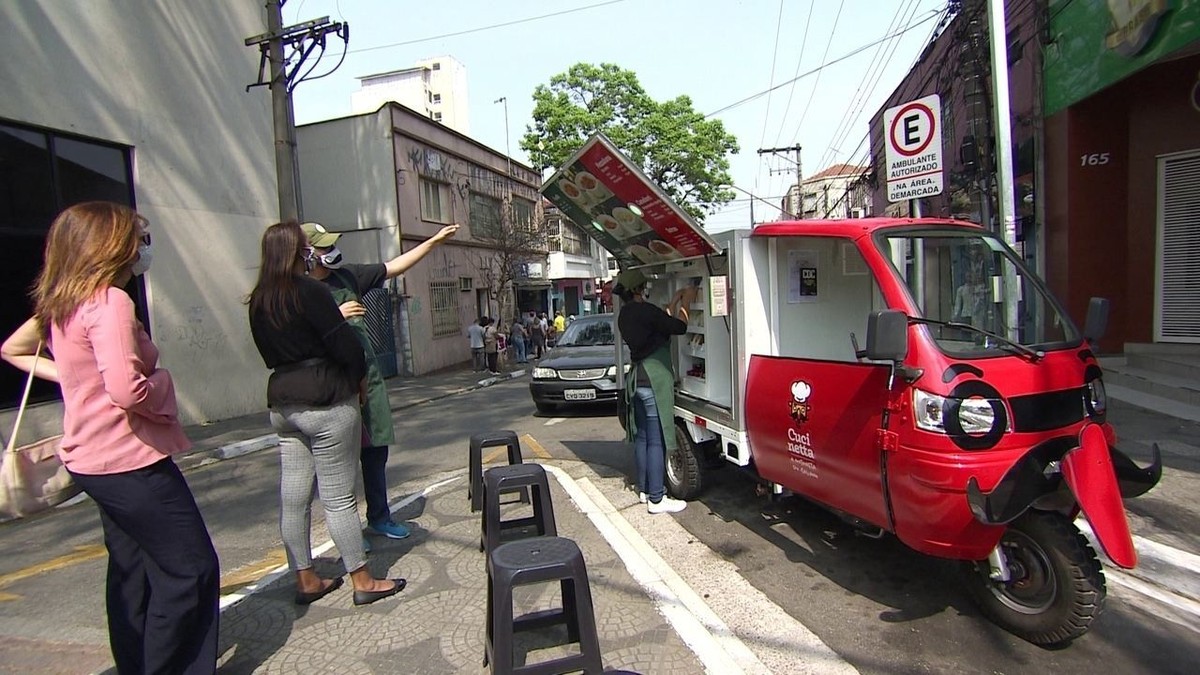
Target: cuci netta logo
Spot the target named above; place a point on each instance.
(798, 406)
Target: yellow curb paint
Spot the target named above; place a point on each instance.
(81, 554)
(9, 597)
(535, 447)
(494, 455)
(253, 572)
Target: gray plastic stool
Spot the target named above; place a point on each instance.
(483, 440)
(534, 560)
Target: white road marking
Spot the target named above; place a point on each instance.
(556, 420)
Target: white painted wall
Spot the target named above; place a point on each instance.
(169, 80)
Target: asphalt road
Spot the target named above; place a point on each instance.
(880, 606)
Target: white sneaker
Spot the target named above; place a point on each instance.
(642, 497)
(667, 505)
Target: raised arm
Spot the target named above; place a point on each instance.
(21, 347)
(398, 265)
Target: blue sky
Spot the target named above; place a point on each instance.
(718, 52)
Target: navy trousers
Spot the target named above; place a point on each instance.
(374, 472)
(163, 576)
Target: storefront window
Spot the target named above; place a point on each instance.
(42, 173)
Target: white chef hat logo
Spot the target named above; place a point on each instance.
(798, 407)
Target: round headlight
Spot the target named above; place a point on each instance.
(976, 415)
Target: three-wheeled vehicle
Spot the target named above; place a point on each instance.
(911, 375)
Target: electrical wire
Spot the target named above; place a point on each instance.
(813, 94)
(483, 28)
(771, 82)
(799, 61)
(930, 15)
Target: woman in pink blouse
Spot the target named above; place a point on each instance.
(120, 429)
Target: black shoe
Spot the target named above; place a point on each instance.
(303, 598)
(367, 597)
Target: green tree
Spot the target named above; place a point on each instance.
(685, 154)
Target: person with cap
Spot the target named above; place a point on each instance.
(349, 282)
(650, 387)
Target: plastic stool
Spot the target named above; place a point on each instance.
(511, 478)
(489, 439)
(533, 560)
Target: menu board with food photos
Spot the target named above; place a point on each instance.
(609, 197)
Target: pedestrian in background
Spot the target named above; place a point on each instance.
(349, 282)
(120, 429)
(314, 394)
(650, 386)
(518, 337)
(538, 336)
(475, 337)
(560, 324)
(491, 346)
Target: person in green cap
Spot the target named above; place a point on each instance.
(650, 387)
(349, 282)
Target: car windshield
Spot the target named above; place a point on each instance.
(587, 333)
(974, 294)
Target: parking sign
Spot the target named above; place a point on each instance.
(913, 142)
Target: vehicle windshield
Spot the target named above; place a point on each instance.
(587, 333)
(975, 296)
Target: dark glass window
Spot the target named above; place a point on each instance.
(42, 173)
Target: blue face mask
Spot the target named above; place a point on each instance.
(142, 264)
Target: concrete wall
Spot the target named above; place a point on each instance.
(169, 81)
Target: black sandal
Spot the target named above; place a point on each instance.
(303, 598)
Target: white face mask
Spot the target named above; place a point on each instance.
(142, 264)
(332, 260)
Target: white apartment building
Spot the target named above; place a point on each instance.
(435, 87)
(834, 193)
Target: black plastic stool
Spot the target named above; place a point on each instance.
(511, 478)
(529, 561)
(489, 439)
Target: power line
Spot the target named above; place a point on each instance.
(799, 61)
(854, 52)
(813, 94)
(483, 28)
(771, 82)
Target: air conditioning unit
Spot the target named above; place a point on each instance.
(466, 284)
(856, 213)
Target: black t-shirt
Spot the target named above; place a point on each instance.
(316, 331)
(645, 327)
(357, 278)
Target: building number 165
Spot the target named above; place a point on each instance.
(1094, 159)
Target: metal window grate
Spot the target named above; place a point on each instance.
(443, 298)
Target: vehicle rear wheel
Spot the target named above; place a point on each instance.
(1056, 588)
(544, 407)
(685, 477)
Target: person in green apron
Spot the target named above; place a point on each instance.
(349, 282)
(650, 385)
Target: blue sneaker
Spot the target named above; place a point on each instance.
(389, 529)
(366, 545)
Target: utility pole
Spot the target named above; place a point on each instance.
(302, 39)
(1006, 201)
(799, 175)
(507, 148)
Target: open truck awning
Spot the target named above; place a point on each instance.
(608, 197)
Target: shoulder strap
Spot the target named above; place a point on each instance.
(12, 440)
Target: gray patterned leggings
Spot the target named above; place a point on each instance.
(320, 443)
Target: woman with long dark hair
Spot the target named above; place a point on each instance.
(314, 395)
(120, 429)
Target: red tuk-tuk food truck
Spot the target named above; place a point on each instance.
(911, 375)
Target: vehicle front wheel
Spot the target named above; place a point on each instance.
(1056, 587)
(685, 475)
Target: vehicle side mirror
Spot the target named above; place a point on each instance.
(887, 336)
(1096, 322)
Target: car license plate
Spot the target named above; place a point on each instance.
(579, 394)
